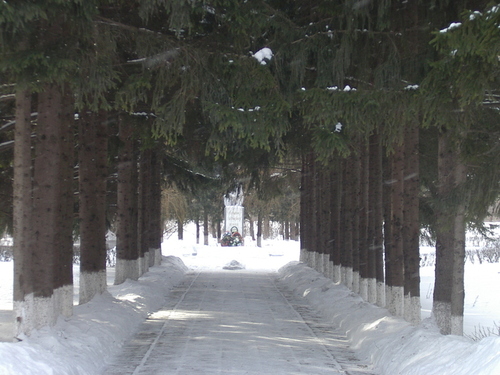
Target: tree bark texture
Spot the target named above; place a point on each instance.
(259, 229)
(144, 208)
(156, 224)
(307, 230)
(347, 222)
(52, 248)
(395, 261)
(22, 190)
(355, 213)
(375, 223)
(450, 243)
(363, 222)
(93, 173)
(336, 202)
(205, 227)
(411, 227)
(127, 251)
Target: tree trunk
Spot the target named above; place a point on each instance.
(306, 209)
(127, 252)
(347, 216)
(180, 229)
(205, 227)
(156, 224)
(363, 223)
(144, 209)
(251, 227)
(376, 292)
(52, 208)
(266, 227)
(411, 227)
(197, 223)
(450, 244)
(93, 172)
(329, 229)
(395, 260)
(259, 229)
(336, 203)
(355, 213)
(22, 190)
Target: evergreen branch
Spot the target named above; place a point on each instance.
(357, 31)
(109, 22)
(5, 146)
(9, 125)
(155, 60)
(6, 98)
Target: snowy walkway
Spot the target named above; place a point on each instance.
(235, 322)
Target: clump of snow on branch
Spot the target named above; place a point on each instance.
(346, 88)
(264, 55)
(453, 25)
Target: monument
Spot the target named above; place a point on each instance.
(233, 218)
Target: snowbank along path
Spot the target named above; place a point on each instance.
(235, 322)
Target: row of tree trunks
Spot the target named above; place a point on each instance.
(139, 229)
(343, 208)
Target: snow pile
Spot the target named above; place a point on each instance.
(392, 344)
(234, 265)
(82, 343)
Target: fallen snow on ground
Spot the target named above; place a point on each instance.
(393, 345)
(83, 343)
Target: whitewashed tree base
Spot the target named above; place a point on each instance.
(63, 301)
(394, 300)
(304, 255)
(330, 269)
(144, 263)
(37, 312)
(448, 324)
(319, 263)
(355, 282)
(337, 274)
(371, 286)
(347, 277)
(91, 284)
(126, 269)
(412, 309)
(326, 265)
(363, 289)
(157, 256)
(380, 294)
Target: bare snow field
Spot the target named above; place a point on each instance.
(84, 343)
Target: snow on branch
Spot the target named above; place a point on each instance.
(264, 55)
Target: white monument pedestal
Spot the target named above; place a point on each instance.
(233, 218)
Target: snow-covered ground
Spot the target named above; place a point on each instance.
(83, 343)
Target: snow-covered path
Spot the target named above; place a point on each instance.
(235, 322)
